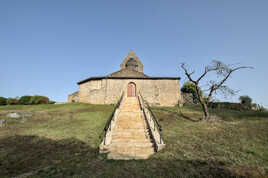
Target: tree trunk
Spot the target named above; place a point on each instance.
(205, 110)
(202, 102)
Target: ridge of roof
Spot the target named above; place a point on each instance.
(139, 78)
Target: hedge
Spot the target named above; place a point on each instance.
(39, 100)
(3, 101)
(12, 101)
(26, 100)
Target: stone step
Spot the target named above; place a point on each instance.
(131, 141)
(131, 130)
(126, 126)
(130, 122)
(118, 156)
(129, 154)
(130, 133)
(130, 119)
(130, 105)
(134, 144)
(132, 150)
(133, 117)
(130, 110)
(134, 138)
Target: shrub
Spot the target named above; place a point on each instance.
(3, 101)
(189, 87)
(246, 100)
(12, 101)
(39, 100)
(52, 102)
(261, 108)
(25, 100)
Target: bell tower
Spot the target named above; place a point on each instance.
(132, 62)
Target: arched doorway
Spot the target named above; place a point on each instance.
(131, 90)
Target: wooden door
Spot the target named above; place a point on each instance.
(131, 90)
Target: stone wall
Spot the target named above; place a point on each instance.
(187, 98)
(74, 97)
(161, 92)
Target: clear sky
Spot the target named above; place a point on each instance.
(46, 46)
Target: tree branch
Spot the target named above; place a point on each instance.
(187, 74)
(214, 87)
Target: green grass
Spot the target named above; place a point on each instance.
(62, 141)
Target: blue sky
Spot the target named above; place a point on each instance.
(48, 46)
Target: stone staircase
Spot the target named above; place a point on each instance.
(130, 138)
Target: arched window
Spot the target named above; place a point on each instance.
(132, 64)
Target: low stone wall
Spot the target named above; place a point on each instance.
(187, 98)
(228, 105)
(74, 97)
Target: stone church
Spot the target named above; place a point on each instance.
(130, 81)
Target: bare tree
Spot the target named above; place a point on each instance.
(223, 72)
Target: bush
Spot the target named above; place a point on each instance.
(25, 100)
(52, 102)
(246, 100)
(3, 101)
(189, 87)
(12, 101)
(39, 100)
(262, 109)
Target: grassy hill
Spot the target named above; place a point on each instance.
(62, 141)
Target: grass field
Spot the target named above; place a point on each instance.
(62, 141)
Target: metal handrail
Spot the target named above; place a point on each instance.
(108, 123)
(159, 128)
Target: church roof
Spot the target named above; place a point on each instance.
(127, 73)
(147, 78)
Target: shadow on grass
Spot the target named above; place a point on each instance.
(33, 156)
(186, 117)
(225, 114)
(179, 114)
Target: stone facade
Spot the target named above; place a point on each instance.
(157, 91)
(74, 97)
(162, 92)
